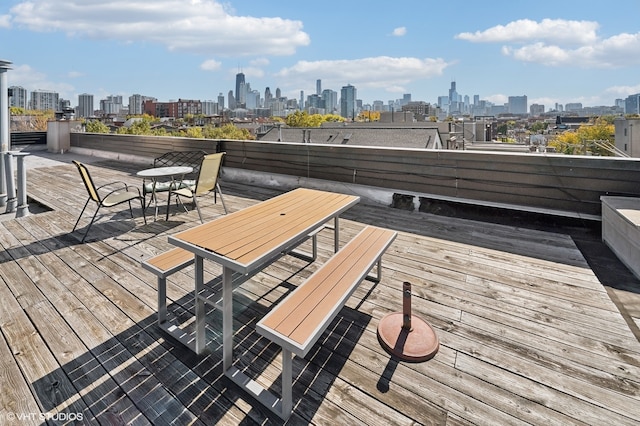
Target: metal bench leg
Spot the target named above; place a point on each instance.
(162, 300)
(336, 234)
(378, 276)
(287, 383)
(314, 250)
(200, 310)
(227, 318)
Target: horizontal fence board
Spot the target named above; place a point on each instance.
(549, 181)
(28, 138)
(143, 146)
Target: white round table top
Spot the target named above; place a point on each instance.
(165, 171)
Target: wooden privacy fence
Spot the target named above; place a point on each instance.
(560, 184)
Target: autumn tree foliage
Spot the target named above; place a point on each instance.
(589, 139)
(304, 119)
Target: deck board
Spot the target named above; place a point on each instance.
(528, 333)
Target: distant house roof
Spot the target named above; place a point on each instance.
(394, 137)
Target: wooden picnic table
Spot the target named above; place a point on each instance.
(248, 240)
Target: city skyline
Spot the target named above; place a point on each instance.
(551, 52)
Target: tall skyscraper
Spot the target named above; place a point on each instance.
(318, 87)
(112, 104)
(19, 97)
(268, 97)
(454, 99)
(43, 100)
(220, 102)
(232, 100)
(240, 88)
(330, 98)
(517, 105)
(85, 105)
(348, 95)
(631, 104)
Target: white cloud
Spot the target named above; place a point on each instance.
(201, 26)
(382, 72)
(5, 21)
(622, 91)
(497, 99)
(210, 65)
(561, 43)
(30, 79)
(618, 51)
(556, 30)
(399, 32)
(259, 62)
(74, 74)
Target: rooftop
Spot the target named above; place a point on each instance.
(537, 319)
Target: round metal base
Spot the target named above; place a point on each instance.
(416, 345)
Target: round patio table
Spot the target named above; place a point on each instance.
(175, 173)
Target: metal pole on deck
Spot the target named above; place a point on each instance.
(4, 128)
(406, 336)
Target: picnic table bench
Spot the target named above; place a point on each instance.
(169, 262)
(297, 322)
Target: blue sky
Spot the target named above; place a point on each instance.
(551, 51)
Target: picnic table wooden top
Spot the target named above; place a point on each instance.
(246, 238)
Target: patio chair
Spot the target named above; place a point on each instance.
(206, 182)
(123, 193)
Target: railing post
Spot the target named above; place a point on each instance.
(10, 199)
(23, 207)
(4, 129)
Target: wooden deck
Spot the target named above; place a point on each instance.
(528, 333)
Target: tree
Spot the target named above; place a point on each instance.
(96, 126)
(140, 127)
(369, 116)
(587, 139)
(304, 119)
(228, 131)
(538, 127)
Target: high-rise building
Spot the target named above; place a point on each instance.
(252, 99)
(443, 103)
(536, 110)
(232, 100)
(85, 105)
(573, 107)
(19, 97)
(454, 99)
(330, 98)
(268, 98)
(111, 105)
(209, 108)
(220, 102)
(348, 96)
(517, 105)
(136, 104)
(43, 100)
(240, 89)
(318, 87)
(632, 104)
